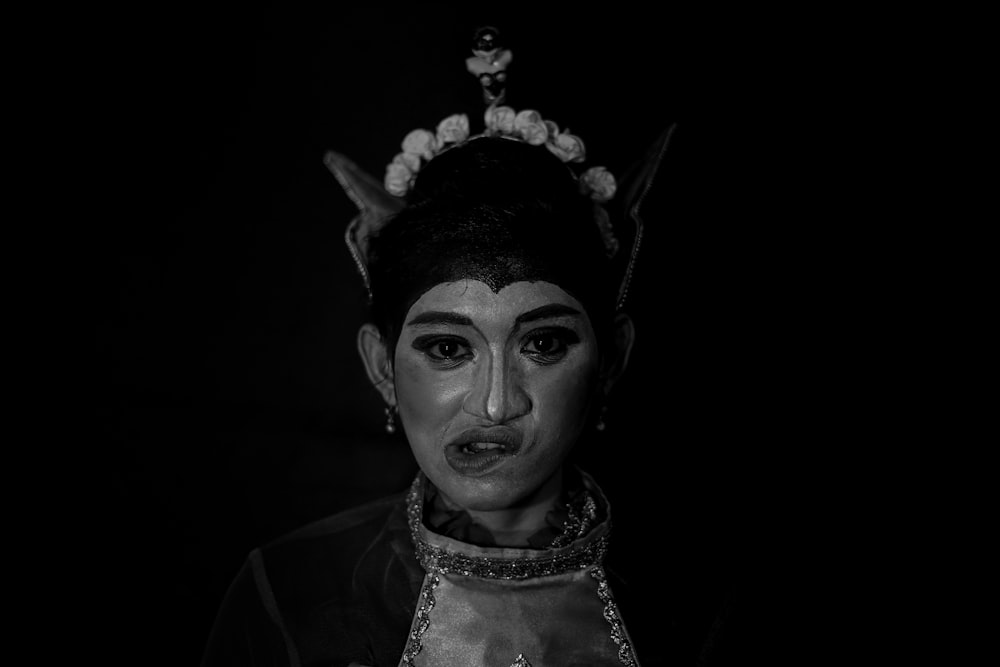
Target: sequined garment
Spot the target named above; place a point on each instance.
(513, 607)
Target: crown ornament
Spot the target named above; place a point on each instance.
(489, 63)
(378, 202)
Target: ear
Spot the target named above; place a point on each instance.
(378, 362)
(622, 339)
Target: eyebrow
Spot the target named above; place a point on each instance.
(545, 312)
(540, 313)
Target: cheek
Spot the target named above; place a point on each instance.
(561, 399)
(428, 399)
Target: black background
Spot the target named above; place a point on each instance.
(235, 407)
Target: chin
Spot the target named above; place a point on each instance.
(487, 502)
(501, 491)
(483, 495)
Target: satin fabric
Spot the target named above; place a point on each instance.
(552, 621)
(478, 618)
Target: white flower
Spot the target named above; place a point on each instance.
(397, 178)
(420, 142)
(409, 160)
(529, 124)
(500, 119)
(453, 129)
(600, 183)
(568, 147)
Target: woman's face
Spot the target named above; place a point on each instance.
(494, 388)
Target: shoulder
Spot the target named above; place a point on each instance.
(357, 520)
(345, 583)
(308, 596)
(323, 559)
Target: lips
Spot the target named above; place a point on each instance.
(477, 451)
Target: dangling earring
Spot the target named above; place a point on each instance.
(390, 419)
(600, 426)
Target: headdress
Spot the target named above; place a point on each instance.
(378, 201)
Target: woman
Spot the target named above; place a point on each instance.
(497, 279)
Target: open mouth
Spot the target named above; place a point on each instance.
(478, 452)
(479, 447)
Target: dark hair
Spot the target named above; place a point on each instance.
(495, 210)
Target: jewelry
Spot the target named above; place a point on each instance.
(601, 426)
(390, 419)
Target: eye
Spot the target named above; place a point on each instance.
(548, 346)
(444, 350)
(545, 343)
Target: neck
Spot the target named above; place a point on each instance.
(511, 526)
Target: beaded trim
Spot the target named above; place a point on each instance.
(414, 642)
(625, 653)
(438, 560)
(435, 559)
(578, 523)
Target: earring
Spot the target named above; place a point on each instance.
(390, 419)
(600, 426)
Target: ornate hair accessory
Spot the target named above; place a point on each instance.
(488, 62)
(421, 145)
(378, 202)
(489, 65)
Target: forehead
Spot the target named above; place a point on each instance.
(476, 299)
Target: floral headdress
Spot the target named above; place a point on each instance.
(377, 202)
(528, 126)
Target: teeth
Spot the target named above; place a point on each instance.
(482, 446)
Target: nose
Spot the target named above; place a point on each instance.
(498, 394)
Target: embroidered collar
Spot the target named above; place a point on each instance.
(572, 518)
(443, 554)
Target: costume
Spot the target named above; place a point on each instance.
(404, 581)
(377, 586)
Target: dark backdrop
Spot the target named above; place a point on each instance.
(235, 406)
